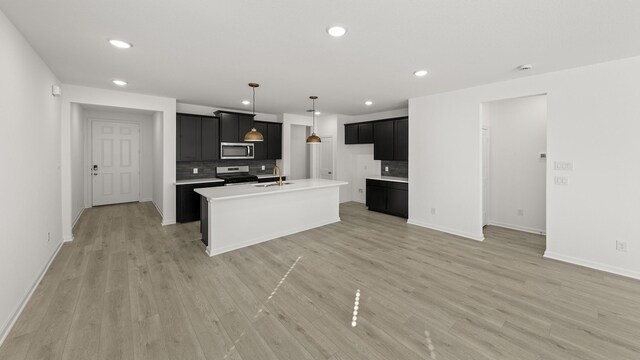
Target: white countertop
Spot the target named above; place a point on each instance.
(198, 181)
(389, 178)
(239, 191)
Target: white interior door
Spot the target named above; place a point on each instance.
(326, 159)
(486, 152)
(116, 162)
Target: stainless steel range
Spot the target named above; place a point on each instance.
(235, 175)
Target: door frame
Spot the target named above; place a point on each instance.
(88, 157)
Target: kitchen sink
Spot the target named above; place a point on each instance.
(273, 184)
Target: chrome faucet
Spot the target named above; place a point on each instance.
(276, 169)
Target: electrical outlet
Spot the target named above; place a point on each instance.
(520, 212)
(48, 236)
(360, 190)
(563, 165)
(433, 211)
(386, 169)
(195, 170)
(561, 180)
(621, 246)
(263, 167)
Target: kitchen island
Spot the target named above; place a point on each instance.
(234, 217)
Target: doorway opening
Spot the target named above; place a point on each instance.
(300, 153)
(514, 170)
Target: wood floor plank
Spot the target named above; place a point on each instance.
(129, 288)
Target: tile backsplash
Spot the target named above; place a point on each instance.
(396, 168)
(207, 169)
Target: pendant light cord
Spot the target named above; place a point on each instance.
(313, 114)
(254, 101)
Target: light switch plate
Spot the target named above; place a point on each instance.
(195, 170)
(263, 167)
(563, 165)
(561, 180)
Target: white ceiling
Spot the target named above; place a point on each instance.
(205, 52)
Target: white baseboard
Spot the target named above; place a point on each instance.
(477, 237)
(67, 238)
(157, 208)
(146, 199)
(518, 227)
(6, 328)
(77, 218)
(212, 252)
(593, 265)
(168, 222)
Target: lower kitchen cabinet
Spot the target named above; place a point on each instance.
(388, 197)
(188, 201)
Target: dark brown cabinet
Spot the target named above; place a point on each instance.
(260, 147)
(383, 146)
(388, 197)
(274, 141)
(233, 126)
(351, 134)
(401, 140)
(210, 140)
(188, 201)
(359, 133)
(197, 138)
(365, 133)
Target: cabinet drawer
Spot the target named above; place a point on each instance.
(397, 185)
(380, 183)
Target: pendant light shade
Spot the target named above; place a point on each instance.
(253, 135)
(313, 138)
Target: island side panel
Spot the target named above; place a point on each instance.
(240, 222)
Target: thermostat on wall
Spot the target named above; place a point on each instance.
(55, 90)
(542, 155)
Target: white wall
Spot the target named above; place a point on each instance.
(120, 99)
(158, 164)
(518, 133)
(30, 181)
(209, 110)
(592, 115)
(78, 164)
(300, 161)
(145, 121)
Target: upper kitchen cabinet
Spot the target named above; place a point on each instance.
(233, 126)
(391, 139)
(274, 141)
(401, 140)
(271, 147)
(197, 138)
(359, 133)
(383, 140)
(188, 130)
(260, 147)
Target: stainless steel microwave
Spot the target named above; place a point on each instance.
(236, 150)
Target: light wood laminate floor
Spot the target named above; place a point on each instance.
(128, 288)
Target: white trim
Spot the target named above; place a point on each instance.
(157, 208)
(146, 200)
(68, 238)
(592, 264)
(479, 237)
(77, 218)
(517, 227)
(212, 252)
(12, 321)
(168, 222)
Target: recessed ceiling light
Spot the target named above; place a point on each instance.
(246, 102)
(368, 102)
(420, 73)
(525, 67)
(336, 31)
(120, 44)
(318, 113)
(120, 82)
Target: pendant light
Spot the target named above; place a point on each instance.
(253, 135)
(313, 138)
